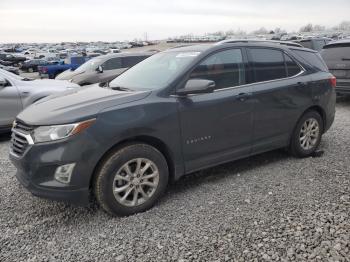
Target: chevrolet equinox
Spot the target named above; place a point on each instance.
(176, 112)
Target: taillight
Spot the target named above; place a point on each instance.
(333, 81)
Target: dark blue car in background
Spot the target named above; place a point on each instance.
(51, 71)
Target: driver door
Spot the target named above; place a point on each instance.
(217, 127)
(10, 104)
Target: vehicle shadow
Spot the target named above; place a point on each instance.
(5, 137)
(343, 100)
(217, 173)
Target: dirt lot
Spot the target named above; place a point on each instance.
(267, 207)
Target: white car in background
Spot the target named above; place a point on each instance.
(16, 93)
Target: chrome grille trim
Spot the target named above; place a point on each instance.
(21, 139)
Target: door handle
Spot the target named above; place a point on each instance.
(302, 84)
(243, 96)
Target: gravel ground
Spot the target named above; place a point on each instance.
(267, 207)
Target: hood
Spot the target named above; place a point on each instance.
(47, 83)
(68, 74)
(76, 105)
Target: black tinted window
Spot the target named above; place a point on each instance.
(132, 60)
(313, 59)
(292, 67)
(225, 68)
(268, 64)
(111, 64)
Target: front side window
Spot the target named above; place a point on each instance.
(111, 64)
(268, 64)
(225, 68)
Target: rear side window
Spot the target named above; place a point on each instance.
(112, 64)
(312, 58)
(132, 60)
(292, 67)
(268, 64)
(225, 68)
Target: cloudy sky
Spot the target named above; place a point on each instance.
(110, 20)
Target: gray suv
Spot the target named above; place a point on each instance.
(103, 69)
(337, 57)
(179, 111)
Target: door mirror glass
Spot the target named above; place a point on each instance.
(197, 86)
(99, 69)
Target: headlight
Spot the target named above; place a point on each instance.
(52, 133)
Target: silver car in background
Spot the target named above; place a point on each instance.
(103, 69)
(16, 93)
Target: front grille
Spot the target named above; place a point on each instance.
(19, 144)
(22, 127)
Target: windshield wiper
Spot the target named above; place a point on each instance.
(120, 88)
(27, 79)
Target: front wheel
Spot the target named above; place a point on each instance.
(307, 134)
(131, 179)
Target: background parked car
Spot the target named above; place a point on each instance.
(51, 71)
(337, 57)
(11, 69)
(5, 63)
(32, 65)
(314, 43)
(103, 69)
(16, 93)
(13, 59)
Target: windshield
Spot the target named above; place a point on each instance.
(90, 65)
(155, 72)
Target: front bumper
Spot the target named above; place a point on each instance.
(37, 166)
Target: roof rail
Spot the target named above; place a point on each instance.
(232, 41)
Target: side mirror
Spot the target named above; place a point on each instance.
(3, 82)
(99, 69)
(197, 86)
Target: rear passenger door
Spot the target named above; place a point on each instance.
(217, 127)
(278, 96)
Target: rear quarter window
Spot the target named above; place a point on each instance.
(311, 58)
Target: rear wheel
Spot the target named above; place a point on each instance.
(307, 134)
(131, 179)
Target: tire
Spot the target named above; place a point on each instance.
(113, 174)
(307, 134)
(30, 70)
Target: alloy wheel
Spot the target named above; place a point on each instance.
(135, 182)
(309, 134)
